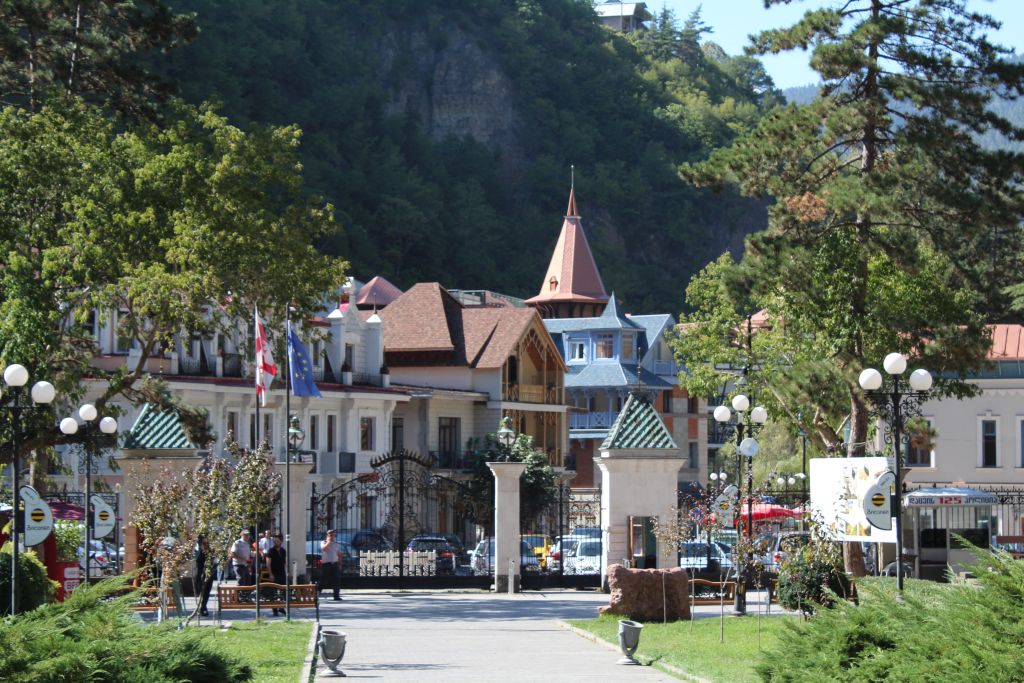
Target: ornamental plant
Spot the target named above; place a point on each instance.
(813, 576)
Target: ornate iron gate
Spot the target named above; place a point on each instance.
(377, 514)
(575, 516)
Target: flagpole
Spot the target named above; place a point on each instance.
(288, 467)
(256, 564)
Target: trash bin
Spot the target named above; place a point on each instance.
(332, 649)
(629, 639)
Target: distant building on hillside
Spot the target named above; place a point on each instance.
(623, 16)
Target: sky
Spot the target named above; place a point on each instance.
(734, 20)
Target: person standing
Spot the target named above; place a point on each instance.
(330, 565)
(202, 582)
(241, 558)
(277, 563)
(266, 543)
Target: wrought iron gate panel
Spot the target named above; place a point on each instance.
(376, 514)
(574, 515)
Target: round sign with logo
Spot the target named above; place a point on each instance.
(103, 519)
(38, 522)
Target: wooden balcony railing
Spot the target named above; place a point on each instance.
(532, 393)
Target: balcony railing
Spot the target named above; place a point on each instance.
(452, 461)
(232, 365)
(532, 393)
(602, 420)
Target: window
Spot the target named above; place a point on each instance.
(330, 433)
(318, 357)
(628, 346)
(350, 356)
(366, 435)
(989, 443)
(577, 351)
(268, 428)
(123, 339)
(693, 405)
(448, 436)
(397, 434)
(666, 402)
(919, 444)
(604, 346)
(231, 425)
(314, 433)
(692, 455)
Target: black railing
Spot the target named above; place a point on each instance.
(452, 461)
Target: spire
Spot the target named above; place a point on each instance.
(572, 275)
(571, 211)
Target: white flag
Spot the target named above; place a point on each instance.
(265, 368)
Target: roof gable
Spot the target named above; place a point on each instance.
(422, 319)
(638, 426)
(377, 292)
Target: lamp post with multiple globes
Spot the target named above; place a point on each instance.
(895, 398)
(747, 423)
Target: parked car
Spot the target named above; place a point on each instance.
(364, 539)
(694, 555)
(445, 561)
(101, 558)
(562, 549)
(777, 546)
(541, 545)
(482, 558)
(585, 557)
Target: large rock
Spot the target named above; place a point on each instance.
(648, 594)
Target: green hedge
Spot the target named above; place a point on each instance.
(938, 633)
(34, 588)
(95, 637)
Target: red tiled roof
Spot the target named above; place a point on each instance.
(428, 319)
(1007, 342)
(572, 273)
(377, 292)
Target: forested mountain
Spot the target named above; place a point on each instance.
(443, 132)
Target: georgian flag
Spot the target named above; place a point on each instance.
(265, 368)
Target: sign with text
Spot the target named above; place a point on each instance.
(877, 501)
(725, 504)
(38, 517)
(103, 519)
(838, 489)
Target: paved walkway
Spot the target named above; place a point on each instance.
(481, 637)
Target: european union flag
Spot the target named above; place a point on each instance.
(301, 367)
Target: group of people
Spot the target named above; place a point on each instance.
(269, 552)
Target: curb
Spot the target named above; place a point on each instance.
(661, 666)
(309, 666)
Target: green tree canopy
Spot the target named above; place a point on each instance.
(175, 228)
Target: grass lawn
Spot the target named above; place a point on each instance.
(275, 650)
(698, 651)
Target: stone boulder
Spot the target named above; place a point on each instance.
(648, 594)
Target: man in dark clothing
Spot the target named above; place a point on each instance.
(330, 564)
(202, 582)
(277, 562)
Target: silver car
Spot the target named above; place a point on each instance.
(481, 560)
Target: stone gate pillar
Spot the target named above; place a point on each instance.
(506, 524)
(640, 465)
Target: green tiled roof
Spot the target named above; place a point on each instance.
(154, 430)
(638, 426)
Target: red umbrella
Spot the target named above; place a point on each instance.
(763, 511)
(63, 510)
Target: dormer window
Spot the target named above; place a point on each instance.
(577, 351)
(604, 345)
(553, 284)
(628, 346)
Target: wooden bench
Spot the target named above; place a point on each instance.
(725, 591)
(272, 595)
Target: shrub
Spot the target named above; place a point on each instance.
(69, 536)
(34, 588)
(94, 637)
(938, 633)
(811, 576)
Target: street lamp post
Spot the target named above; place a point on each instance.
(894, 402)
(295, 438)
(42, 393)
(746, 425)
(107, 426)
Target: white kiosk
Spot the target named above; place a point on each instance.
(935, 514)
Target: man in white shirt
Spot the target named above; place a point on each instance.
(266, 543)
(330, 564)
(240, 553)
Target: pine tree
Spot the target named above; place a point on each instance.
(883, 195)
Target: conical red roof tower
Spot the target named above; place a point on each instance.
(572, 287)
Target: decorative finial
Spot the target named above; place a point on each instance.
(572, 177)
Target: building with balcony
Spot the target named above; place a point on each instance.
(623, 16)
(610, 356)
(465, 368)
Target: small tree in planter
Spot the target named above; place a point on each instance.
(813, 575)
